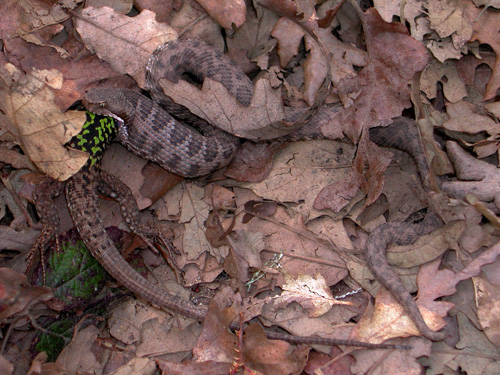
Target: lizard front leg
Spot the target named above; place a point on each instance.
(114, 188)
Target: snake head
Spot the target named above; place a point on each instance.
(107, 101)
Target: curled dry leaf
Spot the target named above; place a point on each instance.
(426, 248)
(477, 177)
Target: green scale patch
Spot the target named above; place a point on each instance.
(97, 134)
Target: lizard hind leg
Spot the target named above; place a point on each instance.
(114, 188)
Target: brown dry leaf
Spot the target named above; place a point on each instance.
(253, 162)
(130, 36)
(467, 118)
(445, 74)
(289, 35)
(390, 50)
(476, 71)
(216, 348)
(37, 124)
(367, 172)
(381, 362)
(488, 3)
(11, 12)
(194, 368)
(18, 297)
(216, 343)
(162, 9)
(386, 57)
(301, 170)
(488, 309)
(301, 12)
(272, 356)
(475, 354)
(151, 331)
(227, 13)
(434, 283)
(450, 19)
(412, 12)
(35, 22)
(311, 293)
(304, 253)
(77, 356)
(493, 108)
(338, 322)
(122, 6)
(190, 21)
(158, 340)
(486, 30)
(15, 159)
(342, 57)
(252, 42)
(80, 70)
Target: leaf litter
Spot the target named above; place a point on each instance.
(312, 212)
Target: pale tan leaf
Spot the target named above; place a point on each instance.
(38, 124)
(130, 36)
(467, 118)
(216, 105)
(311, 293)
(228, 13)
(488, 307)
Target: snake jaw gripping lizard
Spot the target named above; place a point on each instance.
(150, 132)
(81, 195)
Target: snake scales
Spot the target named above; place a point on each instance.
(152, 133)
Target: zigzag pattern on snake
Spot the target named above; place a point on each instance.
(151, 133)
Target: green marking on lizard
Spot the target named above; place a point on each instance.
(96, 135)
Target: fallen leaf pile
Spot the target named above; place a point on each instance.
(279, 234)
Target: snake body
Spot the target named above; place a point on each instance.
(150, 128)
(150, 132)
